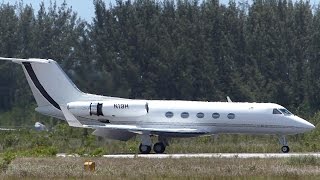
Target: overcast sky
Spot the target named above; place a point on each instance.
(84, 8)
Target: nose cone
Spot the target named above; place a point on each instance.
(303, 124)
(308, 125)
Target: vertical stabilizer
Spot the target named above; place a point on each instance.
(49, 84)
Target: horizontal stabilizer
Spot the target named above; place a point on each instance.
(7, 129)
(20, 61)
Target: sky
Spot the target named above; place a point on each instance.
(85, 8)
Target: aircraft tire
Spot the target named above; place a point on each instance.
(159, 148)
(285, 149)
(144, 149)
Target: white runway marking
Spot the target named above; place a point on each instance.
(214, 155)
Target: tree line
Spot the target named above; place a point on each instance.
(267, 51)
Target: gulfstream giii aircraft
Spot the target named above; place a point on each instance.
(121, 119)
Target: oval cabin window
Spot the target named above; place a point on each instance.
(184, 115)
(200, 115)
(215, 115)
(231, 116)
(169, 114)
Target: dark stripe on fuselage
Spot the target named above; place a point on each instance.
(36, 82)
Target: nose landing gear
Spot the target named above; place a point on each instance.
(285, 148)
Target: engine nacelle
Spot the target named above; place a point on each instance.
(113, 108)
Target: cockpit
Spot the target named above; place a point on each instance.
(281, 111)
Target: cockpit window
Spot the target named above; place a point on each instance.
(285, 111)
(276, 111)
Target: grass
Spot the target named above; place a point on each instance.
(31, 155)
(142, 168)
(64, 139)
(304, 160)
(208, 144)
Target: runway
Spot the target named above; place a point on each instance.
(214, 155)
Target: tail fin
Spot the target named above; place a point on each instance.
(49, 84)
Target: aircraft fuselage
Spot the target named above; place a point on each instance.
(121, 119)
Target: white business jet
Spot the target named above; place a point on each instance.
(121, 119)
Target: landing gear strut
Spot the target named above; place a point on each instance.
(285, 148)
(145, 146)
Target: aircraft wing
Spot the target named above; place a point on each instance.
(74, 122)
(70, 118)
(137, 129)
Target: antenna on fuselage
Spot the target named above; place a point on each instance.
(228, 99)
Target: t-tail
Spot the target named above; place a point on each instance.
(50, 86)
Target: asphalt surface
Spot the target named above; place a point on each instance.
(214, 155)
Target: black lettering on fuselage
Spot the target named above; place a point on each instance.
(121, 106)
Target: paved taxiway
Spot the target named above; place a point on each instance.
(214, 155)
(204, 155)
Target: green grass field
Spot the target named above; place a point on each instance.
(31, 155)
(184, 168)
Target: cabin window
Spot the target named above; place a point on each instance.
(231, 116)
(185, 115)
(169, 114)
(215, 115)
(276, 111)
(200, 115)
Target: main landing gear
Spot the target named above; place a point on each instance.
(144, 149)
(158, 148)
(285, 148)
(146, 144)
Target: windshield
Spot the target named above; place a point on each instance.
(285, 112)
(276, 111)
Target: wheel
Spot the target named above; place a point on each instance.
(159, 148)
(144, 149)
(285, 149)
